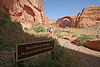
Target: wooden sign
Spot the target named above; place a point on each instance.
(27, 50)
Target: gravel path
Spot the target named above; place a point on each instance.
(88, 57)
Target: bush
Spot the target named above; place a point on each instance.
(75, 35)
(84, 38)
(60, 35)
(41, 29)
(37, 27)
(58, 31)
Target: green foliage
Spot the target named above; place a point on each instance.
(38, 27)
(75, 35)
(58, 31)
(8, 26)
(84, 38)
(4, 19)
(4, 15)
(59, 35)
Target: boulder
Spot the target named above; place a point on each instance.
(94, 44)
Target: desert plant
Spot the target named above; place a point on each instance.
(84, 38)
(41, 29)
(58, 31)
(75, 35)
(59, 35)
(37, 27)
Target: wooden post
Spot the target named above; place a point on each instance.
(19, 63)
(37, 61)
(52, 54)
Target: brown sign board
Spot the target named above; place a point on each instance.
(27, 50)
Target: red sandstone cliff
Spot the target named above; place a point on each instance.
(89, 16)
(29, 10)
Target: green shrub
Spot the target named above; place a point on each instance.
(58, 31)
(84, 38)
(75, 35)
(41, 29)
(37, 27)
(60, 35)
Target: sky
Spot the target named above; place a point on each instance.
(55, 9)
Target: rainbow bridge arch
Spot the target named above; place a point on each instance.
(72, 24)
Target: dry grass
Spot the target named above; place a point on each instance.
(92, 30)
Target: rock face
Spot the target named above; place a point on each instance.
(89, 16)
(47, 22)
(28, 10)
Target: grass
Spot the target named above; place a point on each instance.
(61, 58)
(84, 38)
(37, 28)
(75, 35)
(92, 30)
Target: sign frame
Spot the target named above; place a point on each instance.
(17, 60)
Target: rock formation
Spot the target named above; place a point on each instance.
(90, 16)
(28, 10)
(64, 23)
(47, 22)
(70, 19)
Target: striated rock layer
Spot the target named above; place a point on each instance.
(28, 10)
(90, 15)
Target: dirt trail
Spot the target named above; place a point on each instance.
(88, 57)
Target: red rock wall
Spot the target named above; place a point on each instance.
(90, 15)
(31, 10)
(47, 22)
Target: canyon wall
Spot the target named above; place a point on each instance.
(90, 16)
(28, 10)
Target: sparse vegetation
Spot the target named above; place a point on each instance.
(37, 28)
(57, 31)
(75, 35)
(84, 38)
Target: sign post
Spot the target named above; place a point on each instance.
(28, 50)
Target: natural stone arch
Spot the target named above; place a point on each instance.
(68, 17)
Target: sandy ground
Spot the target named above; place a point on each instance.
(88, 57)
